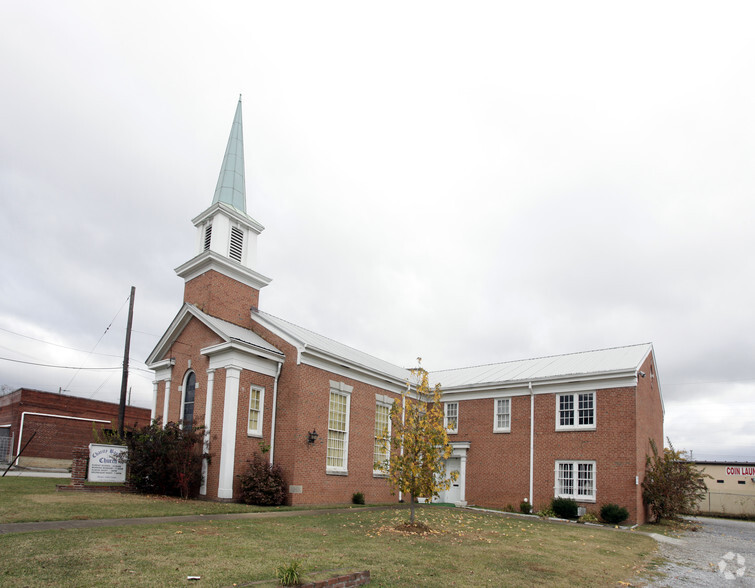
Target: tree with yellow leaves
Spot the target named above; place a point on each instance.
(419, 442)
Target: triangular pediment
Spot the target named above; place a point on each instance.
(235, 335)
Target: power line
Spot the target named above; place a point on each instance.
(55, 344)
(62, 367)
(100, 339)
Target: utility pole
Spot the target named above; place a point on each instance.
(124, 378)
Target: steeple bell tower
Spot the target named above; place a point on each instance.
(221, 279)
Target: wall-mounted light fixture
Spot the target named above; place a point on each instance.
(312, 436)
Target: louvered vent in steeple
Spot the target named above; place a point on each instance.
(237, 244)
(207, 237)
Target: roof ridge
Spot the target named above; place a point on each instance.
(482, 365)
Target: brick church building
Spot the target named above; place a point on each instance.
(575, 425)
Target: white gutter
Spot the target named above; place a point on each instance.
(55, 416)
(275, 411)
(532, 438)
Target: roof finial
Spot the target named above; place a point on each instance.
(231, 186)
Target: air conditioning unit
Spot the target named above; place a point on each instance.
(581, 510)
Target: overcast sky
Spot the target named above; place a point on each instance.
(466, 182)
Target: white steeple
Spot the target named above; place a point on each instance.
(226, 234)
(231, 187)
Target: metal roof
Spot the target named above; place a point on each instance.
(305, 340)
(229, 331)
(231, 186)
(602, 361)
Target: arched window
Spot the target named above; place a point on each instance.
(188, 407)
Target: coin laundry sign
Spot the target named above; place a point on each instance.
(740, 471)
(107, 463)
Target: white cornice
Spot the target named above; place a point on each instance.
(163, 369)
(242, 347)
(243, 357)
(208, 260)
(231, 212)
(176, 326)
(586, 382)
(338, 365)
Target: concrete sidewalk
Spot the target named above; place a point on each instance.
(8, 528)
(36, 473)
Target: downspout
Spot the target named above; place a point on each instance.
(56, 416)
(275, 411)
(532, 440)
(403, 421)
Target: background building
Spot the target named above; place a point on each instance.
(731, 487)
(55, 424)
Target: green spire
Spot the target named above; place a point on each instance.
(231, 188)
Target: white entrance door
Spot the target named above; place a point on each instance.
(453, 494)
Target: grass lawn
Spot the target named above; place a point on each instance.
(465, 549)
(35, 499)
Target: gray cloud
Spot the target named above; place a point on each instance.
(470, 186)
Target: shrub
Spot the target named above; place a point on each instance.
(165, 460)
(565, 508)
(546, 513)
(525, 507)
(263, 484)
(289, 575)
(588, 517)
(357, 498)
(613, 514)
(672, 485)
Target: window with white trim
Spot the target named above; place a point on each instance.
(256, 410)
(575, 411)
(381, 450)
(187, 405)
(451, 417)
(502, 417)
(338, 428)
(575, 479)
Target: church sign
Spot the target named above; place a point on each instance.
(107, 463)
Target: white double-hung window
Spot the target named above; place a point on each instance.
(381, 451)
(451, 417)
(256, 407)
(575, 479)
(575, 410)
(502, 416)
(338, 428)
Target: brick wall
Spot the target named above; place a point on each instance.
(649, 419)
(498, 463)
(310, 469)
(222, 297)
(303, 402)
(344, 581)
